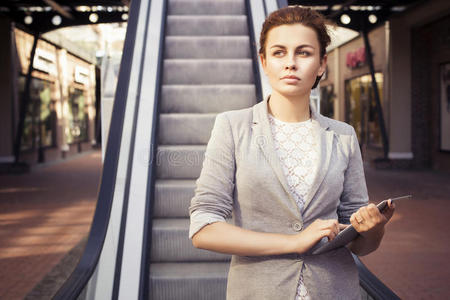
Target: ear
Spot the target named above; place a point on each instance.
(323, 65)
(263, 62)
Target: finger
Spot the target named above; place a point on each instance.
(374, 214)
(391, 204)
(389, 211)
(372, 210)
(332, 224)
(353, 220)
(358, 217)
(336, 227)
(365, 215)
(343, 226)
(330, 234)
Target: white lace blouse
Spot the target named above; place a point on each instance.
(297, 148)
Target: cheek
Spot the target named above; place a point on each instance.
(311, 67)
(274, 67)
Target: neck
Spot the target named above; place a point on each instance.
(289, 109)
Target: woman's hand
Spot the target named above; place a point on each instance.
(368, 220)
(312, 234)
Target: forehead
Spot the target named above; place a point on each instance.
(292, 35)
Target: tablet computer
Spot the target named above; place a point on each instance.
(349, 234)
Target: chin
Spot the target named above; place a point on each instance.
(293, 92)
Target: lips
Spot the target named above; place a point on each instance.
(290, 77)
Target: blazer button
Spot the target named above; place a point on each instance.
(297, 226)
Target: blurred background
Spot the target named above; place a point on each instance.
(389, 77)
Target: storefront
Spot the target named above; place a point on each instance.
(347, 93)
(411, 57)
(360, 108)
(59, 119)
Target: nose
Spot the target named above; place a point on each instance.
(290, 65)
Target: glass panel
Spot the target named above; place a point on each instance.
(47, 114)
(78, 119)
(40, 118)
(28, 132)
(361, 110)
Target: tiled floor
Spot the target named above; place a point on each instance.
(46, 213)
(43, 215)
(413, 259)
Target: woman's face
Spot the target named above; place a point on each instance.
(292, 60)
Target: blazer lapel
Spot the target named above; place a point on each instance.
(325, 148)
(263, 137)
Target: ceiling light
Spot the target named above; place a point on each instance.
(83, 8)
(28, 20)
(373, 19)
(124, 17)
(56, 20)
(398, 8)
(93, 18)
(345, 19)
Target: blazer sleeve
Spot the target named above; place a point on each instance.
(354, 194)
(213, 198)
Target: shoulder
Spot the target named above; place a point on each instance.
(237, 115)
(345, 133)
(237, 118)
(339, 127)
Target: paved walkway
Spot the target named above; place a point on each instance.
(44, 214)
(413, 259)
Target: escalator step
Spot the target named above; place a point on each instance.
(179, 161)
(188, 281)
(172, 198)
(206, 7)
(185, 129)
(207, 25)
(207, 47)
(206, 98)
(208, 71)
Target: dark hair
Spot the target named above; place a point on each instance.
(293, 15)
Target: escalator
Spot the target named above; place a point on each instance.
(207, 70)
(184, 62)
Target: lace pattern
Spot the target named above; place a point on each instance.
(297, 147)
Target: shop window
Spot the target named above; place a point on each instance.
(361, 110)
(77, 118)
(40, 118)
(327, 97)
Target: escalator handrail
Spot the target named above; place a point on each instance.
(78, 279)
(254, 52)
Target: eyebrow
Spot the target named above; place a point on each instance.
(301, 46)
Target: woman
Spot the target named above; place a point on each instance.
(291, 178)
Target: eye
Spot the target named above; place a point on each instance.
(303, 53)
(278, 52)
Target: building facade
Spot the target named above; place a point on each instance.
(60, 116)
(411, 56)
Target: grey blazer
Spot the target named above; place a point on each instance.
(243, 177)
